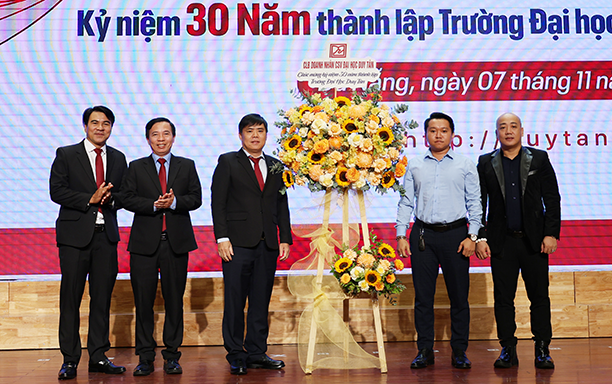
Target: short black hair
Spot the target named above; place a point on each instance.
(440, 115)
(98, 108)
(156, 120)
(250, 120)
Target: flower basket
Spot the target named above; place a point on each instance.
(369, 270)
(343, 143)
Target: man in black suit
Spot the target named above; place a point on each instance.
(521, 229)
(160, 189)
(249, 214)
(83, 179)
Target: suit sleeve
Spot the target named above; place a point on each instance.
(191, 200)
(484, 196)
(551, 198)
(219, 194)
(130, 198)
(59, 185)
(284, 221)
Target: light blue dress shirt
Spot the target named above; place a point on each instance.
(442, 191)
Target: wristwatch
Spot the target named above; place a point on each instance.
(473, 237)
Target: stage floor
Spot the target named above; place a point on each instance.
(577, 361)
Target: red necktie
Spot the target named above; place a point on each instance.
(99, 167)
(258, 174)
(99, 170)
(162, 181)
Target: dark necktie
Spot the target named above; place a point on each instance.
(162, 181)
(258, 174)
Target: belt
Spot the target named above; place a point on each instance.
(99, 228)
(443, 227)
(516, 234)
(164, 235)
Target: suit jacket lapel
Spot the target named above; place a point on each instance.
(496, 162)
(526, 158)
(151, 170)
(175, 166)
(110, 161)
(269, 165)
(248, 167)
(86, 164)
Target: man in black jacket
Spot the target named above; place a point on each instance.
(249, 215)
(519, 186)
(161, 189)
(84, 179)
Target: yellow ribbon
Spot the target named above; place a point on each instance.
(324, 340)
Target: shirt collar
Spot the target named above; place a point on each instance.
(89, 147)
(167, 157)
(450, 154)
(249, 155)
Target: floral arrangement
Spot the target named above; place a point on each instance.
(343, 143)
(369, 269)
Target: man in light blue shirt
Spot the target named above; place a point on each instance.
(443, 192)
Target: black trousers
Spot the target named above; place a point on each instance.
(172, 269)
(440, 251)
(250, 275)
(518, 256)
(98, 260)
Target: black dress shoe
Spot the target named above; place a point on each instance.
(424, 358)
(542, 356)
(144, 368)
(237, 367)
(460, 360)
(105, 366)
(68, 371)
(266, 362)
(172, 367)
(507, 358)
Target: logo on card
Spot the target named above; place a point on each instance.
(338, 51)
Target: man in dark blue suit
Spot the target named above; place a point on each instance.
(249, 214)
(522, 226)
(84, 179)
(161, 190)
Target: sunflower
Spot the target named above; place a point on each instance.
(341, 101)
(372, 277)
(342, 264)
(349, 126)
(388, 179)
(288, 178)
(304, 108)
(385, 135)
(341, 178)
(293, 142)
(385, 250)
(315, 158)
